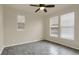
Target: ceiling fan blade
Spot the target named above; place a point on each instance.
(45, 10)
(34, 5)
(37, 10)
(48, 6)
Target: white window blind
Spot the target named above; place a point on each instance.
(67, 26)
(20, 22)
(54, 26)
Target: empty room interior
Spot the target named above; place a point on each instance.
(39, 29)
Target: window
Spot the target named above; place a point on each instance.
(54, 26)
(20, 22)
(62, 26)
(67, 26)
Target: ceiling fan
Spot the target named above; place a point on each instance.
(42, 7)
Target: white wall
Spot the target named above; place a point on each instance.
(70, 43)
(32, 32)
(1, 28)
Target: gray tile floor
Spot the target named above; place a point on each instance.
(39, 48)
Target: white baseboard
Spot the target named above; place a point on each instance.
(23, 43)
(63, 44)
(1, 50)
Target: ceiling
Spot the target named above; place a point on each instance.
(31, 9)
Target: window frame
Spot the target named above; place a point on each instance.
(54, 26)
(20, 23)
(59, 34)
(68, 26)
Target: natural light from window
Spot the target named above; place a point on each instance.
(54, 26)
(67, 26)
(62, 26)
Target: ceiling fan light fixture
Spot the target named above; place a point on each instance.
(42, 8)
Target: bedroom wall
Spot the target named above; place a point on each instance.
(32, 32)
(1, 29)
(70, 43)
